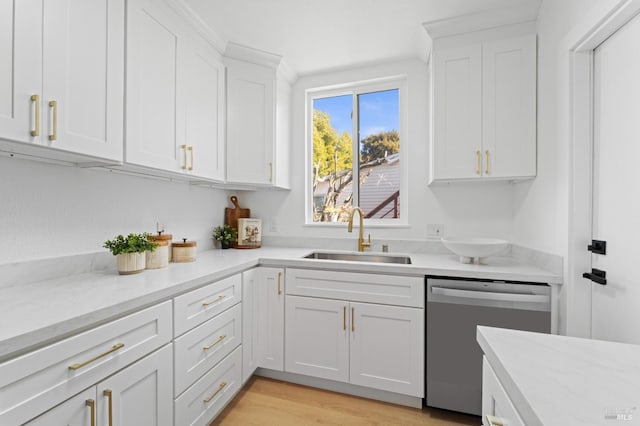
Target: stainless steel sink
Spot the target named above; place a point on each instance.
(357, 257)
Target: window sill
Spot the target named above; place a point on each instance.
(355, 225)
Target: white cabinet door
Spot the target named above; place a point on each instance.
(317, 336)
(271, 318)
(509, 107)
(20, 68)
(83, 73)
(250, 122)
(152, 87)
(250, 347)
(387, 348)
(457, 114)
(76, 411)
(140, 395)
(202, 89)
(495, 400)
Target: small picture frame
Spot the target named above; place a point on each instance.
(249, 233)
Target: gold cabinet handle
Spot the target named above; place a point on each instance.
(353, 319)
(220, 339)
(109, 394)
(222, 385)
(92, 404)
(54, 109)
(270, 171)
(214, 301)
(279, 288)
(479, 157)
(36, 128)
(487, 170)
(97, 357)
(344, 318)
(190, 149)
(494, 421)
(184, 151)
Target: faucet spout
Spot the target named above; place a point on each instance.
(361, 242)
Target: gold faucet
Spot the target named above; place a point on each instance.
(361, 243)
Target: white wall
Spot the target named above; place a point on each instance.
(541, 206)
(464, 209)
(50, 210)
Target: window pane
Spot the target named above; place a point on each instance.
(379, 157)
(332, 158)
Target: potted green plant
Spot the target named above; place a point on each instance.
(130, 251)
(226, 235)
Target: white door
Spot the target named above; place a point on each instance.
(457, 113)
(387, 348)
(141, 394)
(271, 318)
(76, 411)
(317, 338)
(83, 73)
(616, 175)
(20, 69)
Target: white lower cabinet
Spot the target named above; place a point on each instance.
(376, 346)
(262, 320)
(497, 408)
(140, 395)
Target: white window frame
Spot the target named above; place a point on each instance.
(355, 89)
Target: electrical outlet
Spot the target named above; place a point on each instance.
(435, 230)
(273, 225)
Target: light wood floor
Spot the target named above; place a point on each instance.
(271, 402)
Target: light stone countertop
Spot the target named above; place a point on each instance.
(565, 381)
(39, 313)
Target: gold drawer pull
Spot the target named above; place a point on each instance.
(353, 319)
(190, 148)
(222, 385)
(487, 171)
(92, 404)
(109, 394)
(214, 301)
(479, 155)
(344, 317)
(184, 150)
(220, 339)
(54, 108)
(494, 421)
(279, 288)
(95, 358)
(36, 100)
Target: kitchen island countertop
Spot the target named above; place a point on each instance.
(39, 313)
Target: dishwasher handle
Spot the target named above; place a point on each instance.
(489, 295)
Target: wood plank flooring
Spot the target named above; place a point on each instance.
(271, 402)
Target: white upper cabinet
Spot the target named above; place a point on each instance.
(258, 100)
(175, 95)
(484, 108)
(62, 83)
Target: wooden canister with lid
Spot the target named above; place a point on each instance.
(184, 251)
(167, 242)
(159, 258)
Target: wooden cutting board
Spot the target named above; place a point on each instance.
(231, 215)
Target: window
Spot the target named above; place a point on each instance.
(372, 113)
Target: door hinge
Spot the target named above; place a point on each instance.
(597, 276)
(597, 247)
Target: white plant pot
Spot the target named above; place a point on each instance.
(131, 263)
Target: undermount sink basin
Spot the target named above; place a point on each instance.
(357, 257)
(474, 249)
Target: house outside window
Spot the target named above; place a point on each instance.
(374, 113)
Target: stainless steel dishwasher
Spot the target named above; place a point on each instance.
(454, 308)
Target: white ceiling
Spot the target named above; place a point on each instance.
(319, 35)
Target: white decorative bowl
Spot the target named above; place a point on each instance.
(474, 250)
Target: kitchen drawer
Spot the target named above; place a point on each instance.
(204, 346)
(358, 287)
(197, 306)
(209, 395)
(37, 381)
